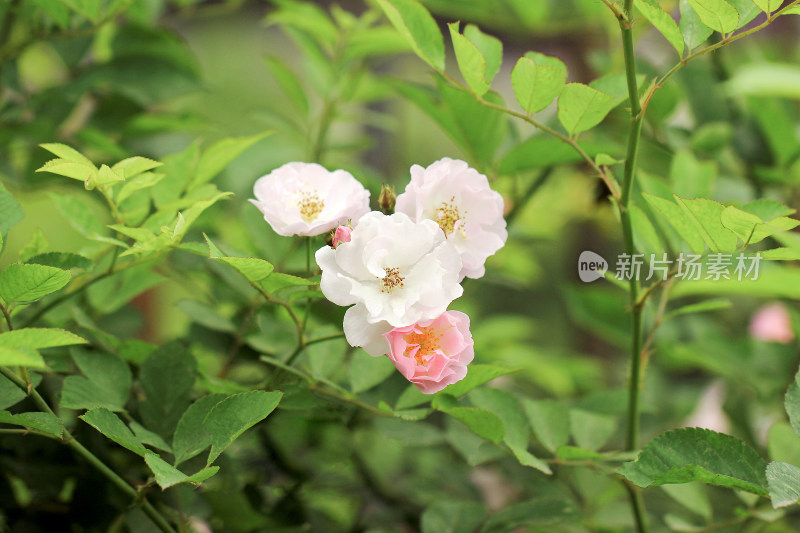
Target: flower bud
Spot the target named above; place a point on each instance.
(342, 234)
(387, 199)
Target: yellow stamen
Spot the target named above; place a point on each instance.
(310, 205)
(448, 216)
(391, 280)
(428, 340)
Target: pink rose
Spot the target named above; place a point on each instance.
(772, 323)
(433, 354)
(342, 234)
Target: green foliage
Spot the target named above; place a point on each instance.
(116, 304)
(693, 454)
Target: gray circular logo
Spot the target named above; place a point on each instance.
(591, 266)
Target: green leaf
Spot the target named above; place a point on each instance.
(718, 15)
(782, 442)
(106, 176)
(86, 173)
(549, 421)
(133, 166)
(168, 476)
(67, 153)
(452, 517)
(663, 22)
(38, 338)
(206, 315)
(106, 384)
(476, 376)
(166, 377)
(780, 80)
(142, 181)
(79, 216)
(693, 496)
(10, 213)
(707, 218)
(278, 281)
(416, 24)
(479, 421)
(784, 484)
(768, 6)
(694, 454)
(234, 415)
(471, 62)
(541, 512)
(792, 403)
(27, 283)
(690, 177)
(767, 210)
(490, 47)
(36, 245)
(365, 371)
(542, 151)
(115, 429)
(288, 83)
(21, 357)
(191, 435)
(694, 31)
(535, 85)
(146, 436)
(678, 220)
(747, 11)
(62, 260)
(714, 304)
(45, 422)
(252, 268)
(11, 395)
(581, 107)
(219, 155)
(517, 432)
(591, 430)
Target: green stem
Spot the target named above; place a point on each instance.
(7, 316)
(634, 385)
(70, 441)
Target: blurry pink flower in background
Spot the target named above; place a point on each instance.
(306, 199)
(433, 354)
(460, 200)
(772, 323)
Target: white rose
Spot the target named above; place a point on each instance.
(460, 200)
(393, 269)
(306, 199)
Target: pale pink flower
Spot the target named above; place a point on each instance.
(393, 270)
(306, 199)
(342, 234)
(772, 323)
(433, 354)
(459, 199)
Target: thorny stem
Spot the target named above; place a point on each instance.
(7, 316)
(92, 459)
(634, 385)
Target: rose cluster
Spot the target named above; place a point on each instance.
(398, 272)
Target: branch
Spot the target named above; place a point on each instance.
(70, 441)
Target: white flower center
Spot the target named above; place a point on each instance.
(391, 280)
(310, 205)
(448, 216)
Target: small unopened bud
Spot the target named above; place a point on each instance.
(387, 199)
(342, 234)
